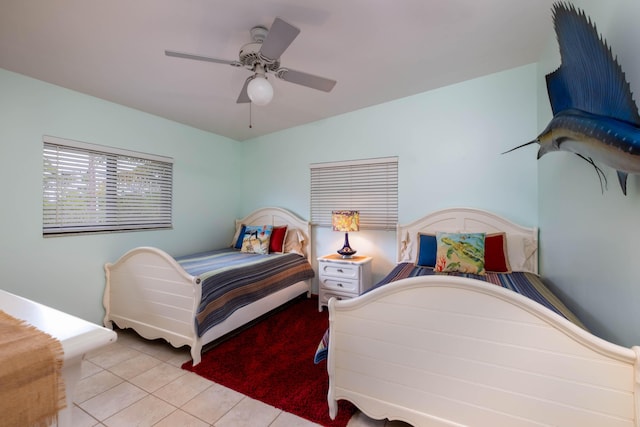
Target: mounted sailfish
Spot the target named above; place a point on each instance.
(594, 114)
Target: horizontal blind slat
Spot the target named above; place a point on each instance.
(85, 189)
(368, 185)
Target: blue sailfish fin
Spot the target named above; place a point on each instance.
(599, 86)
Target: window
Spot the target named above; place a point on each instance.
(92, 188)
(369, 186)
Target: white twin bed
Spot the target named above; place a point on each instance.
(149, 291)
(449, 351)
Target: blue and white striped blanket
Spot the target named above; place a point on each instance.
(232, 279)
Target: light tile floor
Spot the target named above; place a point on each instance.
(138, 382)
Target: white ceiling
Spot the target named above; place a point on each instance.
(377, 50)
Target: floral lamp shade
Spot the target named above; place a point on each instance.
(345, 221)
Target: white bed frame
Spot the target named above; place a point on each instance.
(450, 351)
(148, 291)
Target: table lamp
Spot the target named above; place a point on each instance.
(346, 221)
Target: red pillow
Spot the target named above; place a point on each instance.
(496, 259)
(276, 244)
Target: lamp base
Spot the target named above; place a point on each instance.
(346, 251)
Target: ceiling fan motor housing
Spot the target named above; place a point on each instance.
(250, 57)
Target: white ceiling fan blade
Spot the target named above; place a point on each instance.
(201, 58)
(243, 98)
(306, 79)
(280, 36)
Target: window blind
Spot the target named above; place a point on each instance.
(369, 186)
(91, 188)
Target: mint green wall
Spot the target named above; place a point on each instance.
(448, 142)
(67, 272)
(589, 240)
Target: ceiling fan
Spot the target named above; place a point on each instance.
(262, 56)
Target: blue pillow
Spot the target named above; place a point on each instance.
(427, 249)
(238, 244)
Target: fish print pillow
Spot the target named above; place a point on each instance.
(460, 252)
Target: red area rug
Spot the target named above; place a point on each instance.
(272, 361)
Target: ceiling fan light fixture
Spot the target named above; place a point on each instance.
(262, 56)
(260, 90)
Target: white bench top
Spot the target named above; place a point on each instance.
(76, 335)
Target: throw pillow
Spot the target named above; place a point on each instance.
(460, 252)
(496, 259)
(427, 248)
(236, 243)
(276, 244)
(293, 242)
(256, 239)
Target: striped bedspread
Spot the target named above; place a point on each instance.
(232, 279)
(527, 284)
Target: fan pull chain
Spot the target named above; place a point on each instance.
(250, 115)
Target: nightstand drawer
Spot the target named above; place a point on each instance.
(326, 296)
(342, 285)
(340, 270)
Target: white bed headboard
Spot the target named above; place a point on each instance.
(522, 242)
(278, 216)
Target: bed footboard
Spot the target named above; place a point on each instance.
(148, 291)
(453, 351)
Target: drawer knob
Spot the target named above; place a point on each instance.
(340, 285)
(340, 270)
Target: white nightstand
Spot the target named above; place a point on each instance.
(342, 278)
